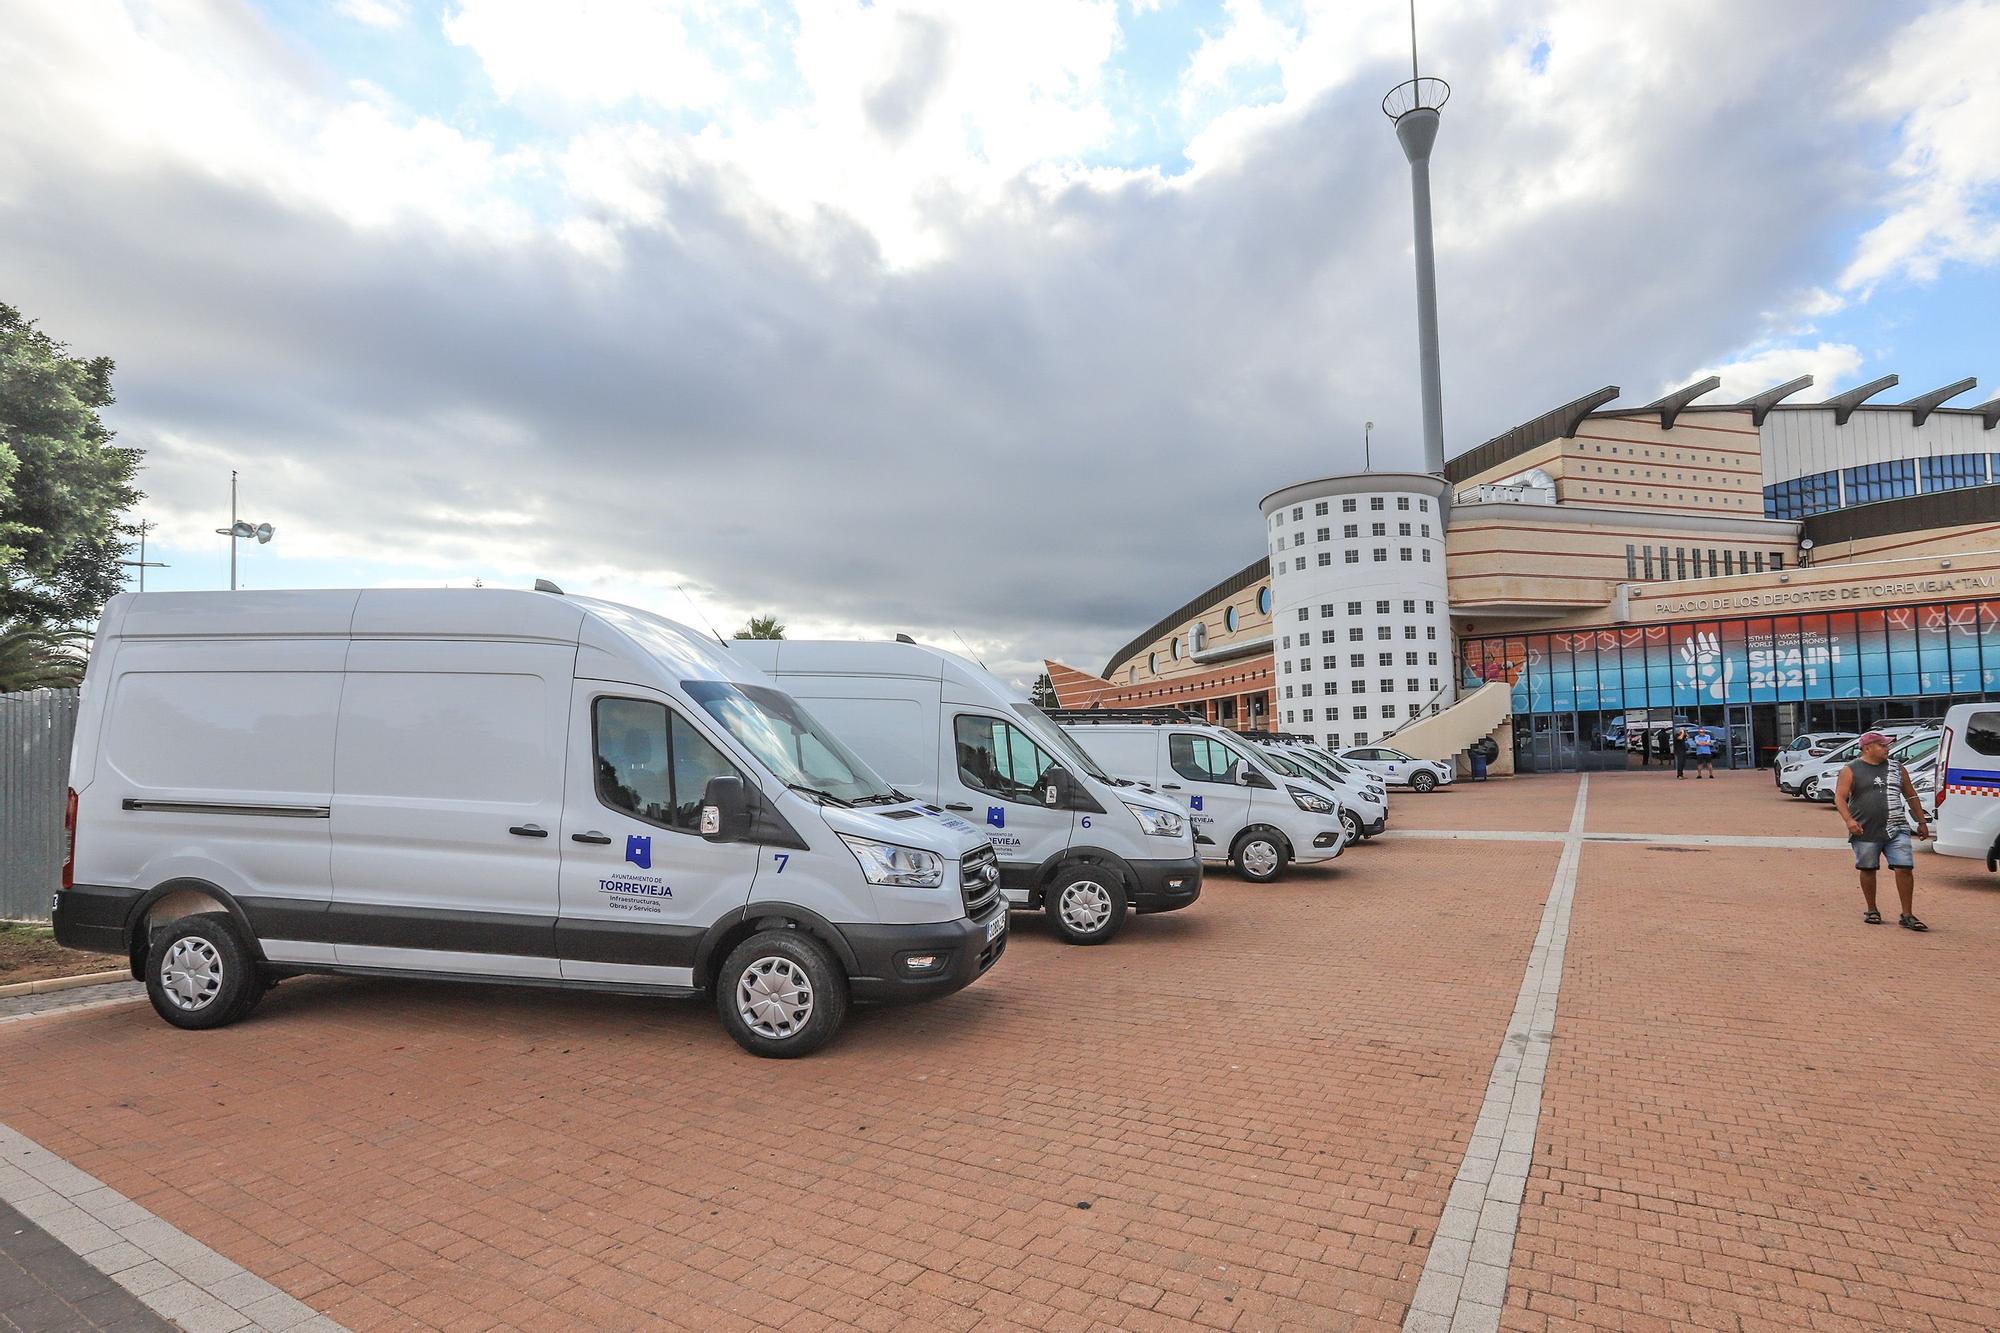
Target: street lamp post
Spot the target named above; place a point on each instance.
(238, 530)
(142, 564)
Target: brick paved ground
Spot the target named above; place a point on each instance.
(1262, 1100)
(1760, 1113)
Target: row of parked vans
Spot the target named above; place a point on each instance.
(1953, 763)
(531, 788)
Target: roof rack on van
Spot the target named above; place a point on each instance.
(1155, 716)
(1277, 737)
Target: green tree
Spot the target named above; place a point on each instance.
(39, 659)
(762, 627)
(63, 483)
(1043, 693)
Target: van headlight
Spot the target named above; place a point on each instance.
(1158, 823)
(1311, 804)
(886, 863)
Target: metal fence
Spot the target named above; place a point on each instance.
(35, 728)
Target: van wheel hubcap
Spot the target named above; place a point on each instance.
(1351, 826)
(1260, 858)
(1085, 906)
(191, 973)
(774, 998)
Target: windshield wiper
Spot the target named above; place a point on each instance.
(825, 796)
(880, 798)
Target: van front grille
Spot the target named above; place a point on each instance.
(978, 888)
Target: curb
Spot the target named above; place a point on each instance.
(47, 984)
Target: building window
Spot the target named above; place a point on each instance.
(1388, 684)
(1424, 505)
(1381, 554)
(1264, 600)
(1777, 559)
(1631, 561)
(1298, 513)
(1388, 710)
(1802, 497)
(1385, 659)
(1378, 529)
(1288, 666)
(1326, 610)
(1383, 631)
(1729, 562)
(1357, 659)
(1354, 608)
(1288, 691)
(1325, 559)
(1409, 606)
(1305, 663)
(1430, 608)
(1308, 715)
(1404, 553)
(1306, 690)
(1325, 535)
(1430, 631)
(1646, 553)
(1413, 685)
(1435, 687)
(1328, 663)
(1319, 510)
(1409, 659)
(1680, 562)
(1402, 529)
(1361, 737)
(1402, 502)
(1350, 529)
(1375, 502)
(1360, 714)
(1305, 613)
(1409, 631)
(1427, 555)
(1433, 659)
(1427, 529)
(1326, 636)
(1948, 472)
(1358, 687)
(1333, 737)
(1354, 633)
(1351, 558)
(1298, 563)
(1879, 481)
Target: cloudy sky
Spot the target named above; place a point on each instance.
(989, 320)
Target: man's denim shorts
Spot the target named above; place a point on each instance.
(1868, 852)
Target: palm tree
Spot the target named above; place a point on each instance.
(762, 627)
(32, 658)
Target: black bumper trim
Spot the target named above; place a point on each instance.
(876, 949)
(1158, 890)
(95, 917)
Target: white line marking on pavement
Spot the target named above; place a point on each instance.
(180, 1278)
(1650, 839)
(1464, 1283)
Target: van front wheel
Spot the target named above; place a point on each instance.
(199, 975)
(781, 994)
(1086, 905)
(1260, 857)
(1423, 783)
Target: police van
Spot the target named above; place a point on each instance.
(1073, 841)
(500, 786)
(1243, 809)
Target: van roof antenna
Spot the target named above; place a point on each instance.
(543, 585)
(968, 648)
(681, 588)
(904, 638)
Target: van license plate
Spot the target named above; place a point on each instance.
(996, 927)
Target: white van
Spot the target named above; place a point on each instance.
(492, 785)
(1968, 790)
(1242, 808)
(1364, 809)
(1071, 839)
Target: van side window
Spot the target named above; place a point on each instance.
(652, 764)
(1199, 759)
(997, 758)
(1982, 733)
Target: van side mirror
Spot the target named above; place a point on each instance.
(1058, 788)
(725, 810)
(1247, 776)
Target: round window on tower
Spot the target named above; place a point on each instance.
(1264, 600)
(1229, 619)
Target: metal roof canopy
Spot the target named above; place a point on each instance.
(1924, 404)
(1843, 404)
(1670, 406)
(1989, 412)
(1561, 424)
(1760, 405)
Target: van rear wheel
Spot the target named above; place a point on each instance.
(781, 994)
(1086, 905)
(199, 975)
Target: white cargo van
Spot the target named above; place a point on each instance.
(501, 786)
(1968, 784)
(1071, 839)
(1242, 808)
(1363, 813)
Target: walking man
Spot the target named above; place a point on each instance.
(1876, 799)
(1704, 753)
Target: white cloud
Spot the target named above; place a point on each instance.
(601, 52)
(386, 14)
(1755, 369)
(1946, 103)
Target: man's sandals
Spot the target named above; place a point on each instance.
(1908, 922)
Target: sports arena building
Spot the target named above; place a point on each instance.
(1768, 567)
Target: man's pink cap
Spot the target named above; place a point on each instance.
(1874, 738)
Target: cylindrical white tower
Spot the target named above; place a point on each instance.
(1360, 624)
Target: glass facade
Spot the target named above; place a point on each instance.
(1948, 472)
(1879, 481)
(1803, 496)
(1574, 691)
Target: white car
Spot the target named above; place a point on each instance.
(1399, 769)
(1817, 781)
(1788, 772)
(1968, 800)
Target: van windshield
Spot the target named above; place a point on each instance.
(1044, 729)
(786, 739)
(1317, 767)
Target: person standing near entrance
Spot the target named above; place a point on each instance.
(1703, 742)
(1875, 797)
(1680, 752)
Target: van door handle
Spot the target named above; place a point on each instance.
(960, 807)
(591, 837)
(529, 831)
(1170, 786)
